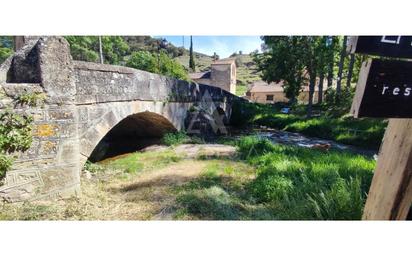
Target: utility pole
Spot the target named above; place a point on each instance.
(101, 50)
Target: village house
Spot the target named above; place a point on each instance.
(222, 74)
(262, 92)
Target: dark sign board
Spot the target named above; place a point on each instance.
(384, 90)
(389, 46)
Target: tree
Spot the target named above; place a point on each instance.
(192, 64)
(86, 48)
(350, 72)
(340, 71)
(281, 61)
(294, 60)
(215, 56)
(333, 41)
(144, 60)
(6, 47)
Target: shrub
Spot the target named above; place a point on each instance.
(175, 138)
(15, 135)
(161, 64)
(93, 167)
(242, 113)
(31, 99)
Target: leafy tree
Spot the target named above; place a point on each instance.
(171, 68)
(86, 48)
(81, 48)
(340, 71)
(350, 71)
(144, 60)
(334, 46)
(192, 64)
(282, 60)
(295, 60)
(6, 47)
(114, 49)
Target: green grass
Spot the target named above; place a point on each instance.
(241, 89)
(366, 132)
(220, 193)
(180, 137)
(138, 162)
(300, 183)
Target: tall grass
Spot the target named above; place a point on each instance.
(365, 132)
(300, 183)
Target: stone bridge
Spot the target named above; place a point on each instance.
(87, 107)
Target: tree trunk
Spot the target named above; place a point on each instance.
(350, 71)
(320, 92)
(101, 50)
(330, 73)
(341, 62)
(311, 93)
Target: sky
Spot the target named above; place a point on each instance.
(224, 46)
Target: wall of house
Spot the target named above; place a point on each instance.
(224, 76)
(260, 97)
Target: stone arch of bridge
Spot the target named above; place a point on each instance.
(133, 132)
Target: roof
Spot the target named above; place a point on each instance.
(263, 87)
(200, 75)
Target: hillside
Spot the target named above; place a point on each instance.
(246, 68)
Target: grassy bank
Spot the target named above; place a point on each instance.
(264, 181)
(300, 183)
(364, 132)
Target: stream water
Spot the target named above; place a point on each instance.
(297, 139)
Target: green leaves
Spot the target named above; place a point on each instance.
(6, 48)
(161, 64)
(15, 132)
(86, 48)
(15, 135)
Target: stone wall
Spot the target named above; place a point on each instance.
(50, 168)
(83, 102)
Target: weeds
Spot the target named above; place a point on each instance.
(304, 183)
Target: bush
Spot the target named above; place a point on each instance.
(162, 64)
(243, 113)
(15, 135)
(175, 138)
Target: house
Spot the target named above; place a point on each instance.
(262, 92)
(222, 74)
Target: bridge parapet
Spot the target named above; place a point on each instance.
(82, 103)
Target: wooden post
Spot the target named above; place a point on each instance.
(390, 195)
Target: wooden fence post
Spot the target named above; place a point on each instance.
(390, 195)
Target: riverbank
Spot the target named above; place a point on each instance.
(253, 179)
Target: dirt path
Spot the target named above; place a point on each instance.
(149, 194)
(111, 194)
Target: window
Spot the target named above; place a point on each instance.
(269, 97)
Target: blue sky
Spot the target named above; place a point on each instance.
(222, 45)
